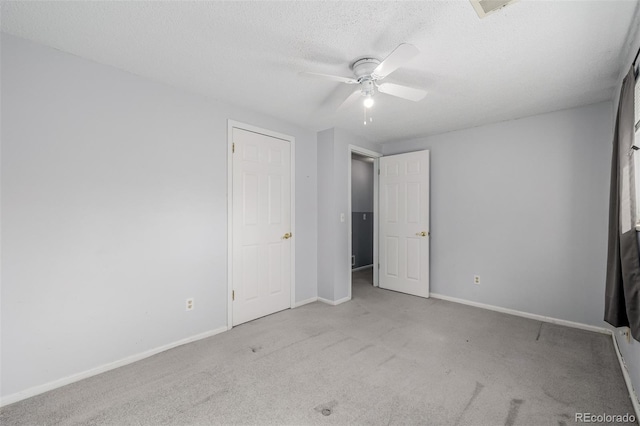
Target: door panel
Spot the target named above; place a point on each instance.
(391, 206)
(413, 203)
(404, 216)
(413, 258)
(261, 217)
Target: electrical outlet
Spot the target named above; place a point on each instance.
(625, 332)
(190, 304)
(364, 216)
(342, 217)
(476, 279)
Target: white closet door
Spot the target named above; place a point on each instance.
(261, 225)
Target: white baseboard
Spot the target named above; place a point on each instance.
(359, 268)
(36, 390)
(305, 302)
(627, 379)
(334, 302)
(537, 317)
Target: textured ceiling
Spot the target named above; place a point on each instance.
(531, 57)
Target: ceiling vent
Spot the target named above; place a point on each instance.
(487, 7)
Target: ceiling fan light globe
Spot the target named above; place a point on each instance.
(368, 102)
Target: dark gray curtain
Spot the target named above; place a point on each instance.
(622, 297)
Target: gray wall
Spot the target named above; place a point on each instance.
(114, 211)
(362, 211)
(361, 239)
(361, 185)
(523, 204)
(334, 257)
(327, 215)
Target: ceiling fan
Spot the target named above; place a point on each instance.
(369, 71)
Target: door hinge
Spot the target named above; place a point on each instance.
(378, 266)
(378, 171)
(233, 295)
(233, 147)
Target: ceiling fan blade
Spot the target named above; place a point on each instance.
(350, 100)
(402, 91)
(347, 80)
(395, 60)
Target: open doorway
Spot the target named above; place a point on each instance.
(400, 232)
(363, 220)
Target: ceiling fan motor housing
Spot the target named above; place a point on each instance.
(364, 67)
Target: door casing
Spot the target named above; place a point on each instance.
(231, 124)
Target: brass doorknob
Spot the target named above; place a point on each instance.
(422, 234)
(287, 236)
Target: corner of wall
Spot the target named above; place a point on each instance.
(325, 213)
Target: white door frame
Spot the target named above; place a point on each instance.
(375, 155)
(248, 127)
